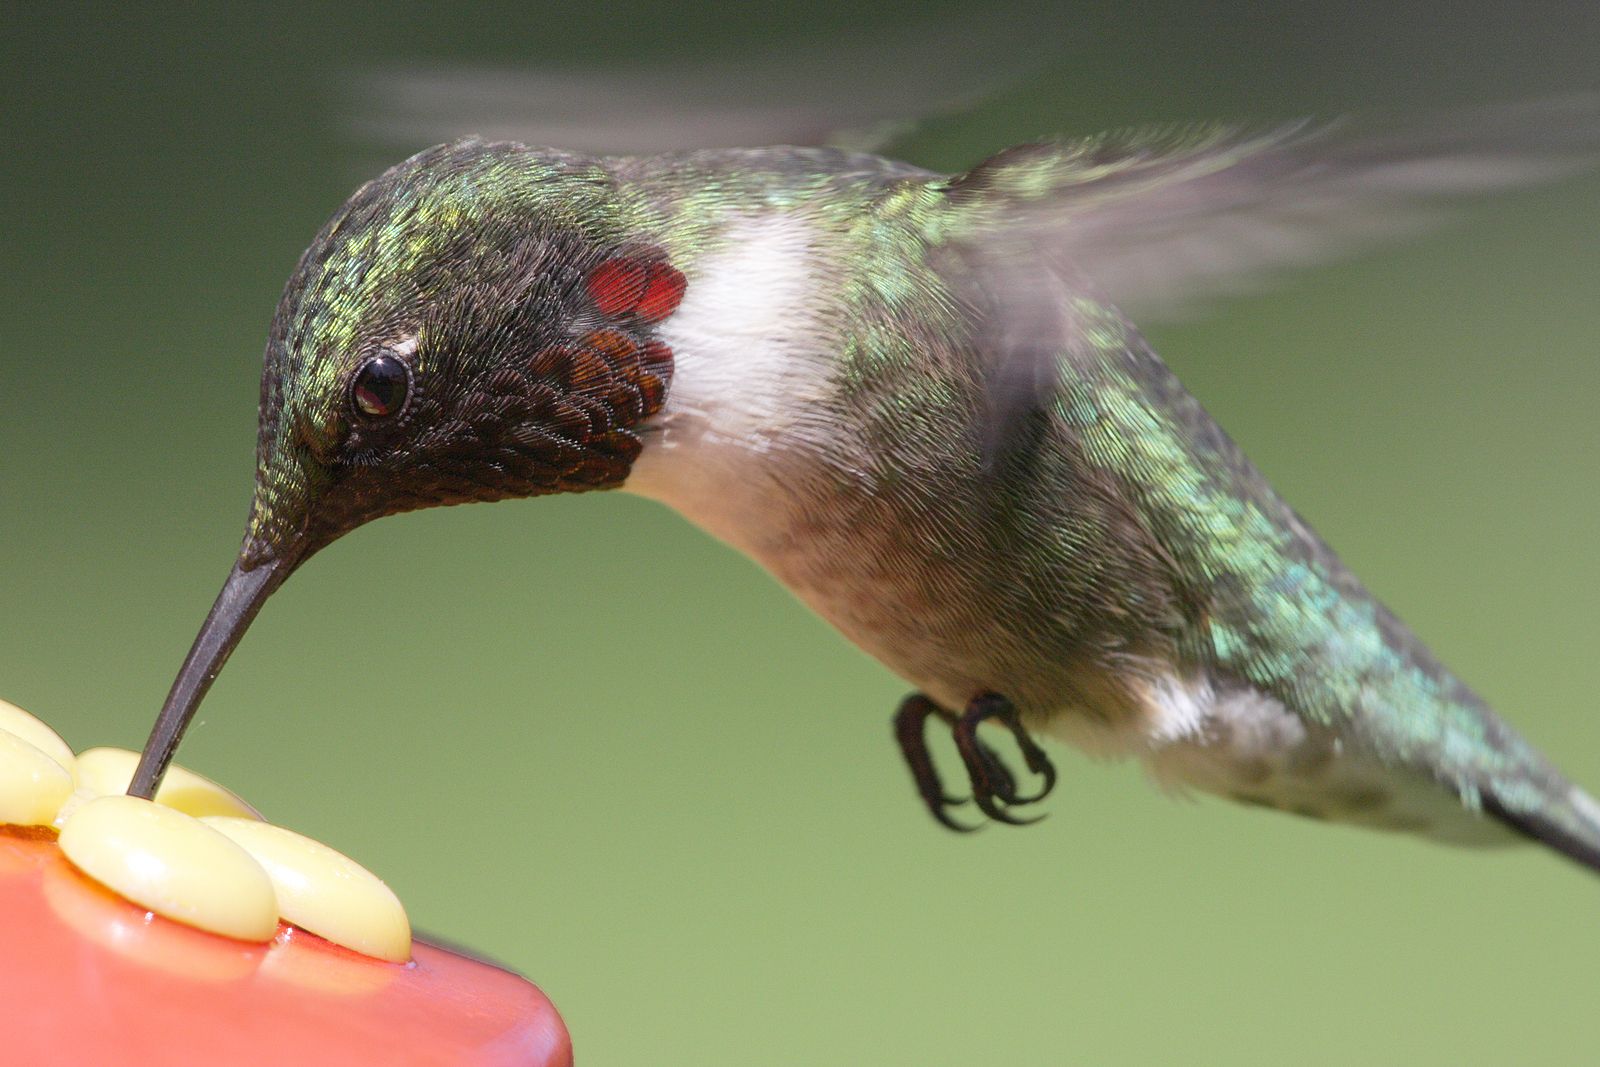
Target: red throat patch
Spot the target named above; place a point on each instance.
(619, 373)
(633, 287)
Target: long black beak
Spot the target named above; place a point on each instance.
(242, 596)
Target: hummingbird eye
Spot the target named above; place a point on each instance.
(380, 387)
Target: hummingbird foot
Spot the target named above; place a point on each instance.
(993, 785)
(995, 794)
(909, 730)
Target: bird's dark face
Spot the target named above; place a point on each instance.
(476, 324)
(473, 325)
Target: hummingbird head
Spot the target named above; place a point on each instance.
(475, 324)
(472, 325)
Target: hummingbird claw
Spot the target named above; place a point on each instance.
(998, 813)
(1002, 782)
(994, 787)
(945, 820)
(1035, 759)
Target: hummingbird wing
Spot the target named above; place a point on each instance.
(858, 94)
(1161, 220)
(1158, 222)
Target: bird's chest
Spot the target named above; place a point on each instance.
(907, 579)
(869, 573)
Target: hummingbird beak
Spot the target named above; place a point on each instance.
(242, 596)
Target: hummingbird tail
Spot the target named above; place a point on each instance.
(1572, 829)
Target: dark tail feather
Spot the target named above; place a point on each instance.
(1547, 831)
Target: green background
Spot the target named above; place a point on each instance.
(581, 736)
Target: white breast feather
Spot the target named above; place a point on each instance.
(746, 364)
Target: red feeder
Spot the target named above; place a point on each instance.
(89, 978)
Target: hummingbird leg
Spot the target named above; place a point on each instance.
(995, 794)
(910, 731)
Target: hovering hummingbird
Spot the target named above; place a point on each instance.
(913, 398)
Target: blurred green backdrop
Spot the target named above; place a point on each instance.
(702, 844)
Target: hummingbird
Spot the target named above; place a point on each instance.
(916, 399)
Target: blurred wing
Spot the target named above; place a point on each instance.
(1162, 222)
(855, 95)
